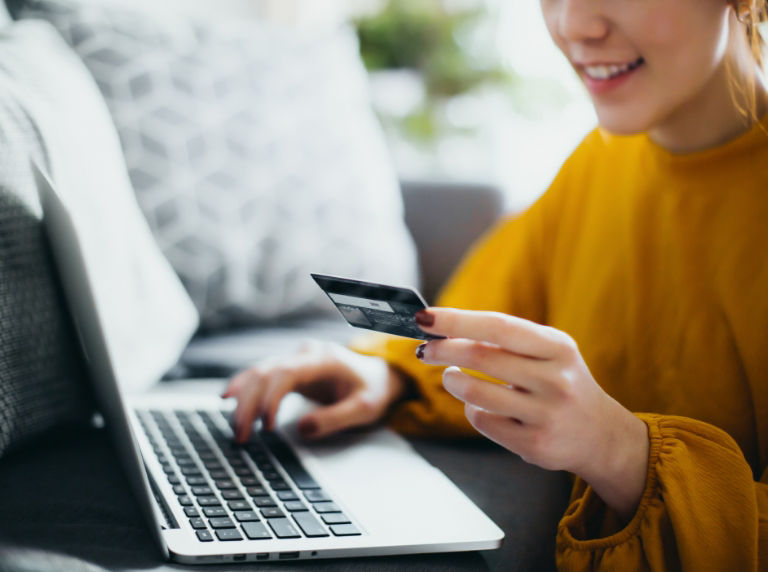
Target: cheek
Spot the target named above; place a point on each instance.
(550, 16)
(687, 40)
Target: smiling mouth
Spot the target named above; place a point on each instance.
(610, 71)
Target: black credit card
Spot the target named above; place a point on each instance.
(377, 307)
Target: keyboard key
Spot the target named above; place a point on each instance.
(223, 484)
(191, 511)
(294, 506)
(215, 511)
(179, 490)
(335, 518)
(208, 501)
(263, 462)
(228, 534)
(323, 507)
(201, 491)
(256, 491)
(309, 525)
(232, 494)
(223, 522)
(290, 462)
(184, 500)
(344, 530)
(279, 485)
(256, 531)
(273, 512)
(283, 528)
(246, 516)
(287, 495)
(213, 465)
(204, 536)
(263, 502)
(249, 481)
(239, 505)
(196, 480)
(316, 495)
(197, 523)
(216, 475)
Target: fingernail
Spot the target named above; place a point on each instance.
(449, 381)
(420, 351)
(424, 318)
(307, 427)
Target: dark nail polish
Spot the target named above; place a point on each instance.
(424, 318)
(420, 351)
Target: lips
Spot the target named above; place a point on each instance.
(602, 72)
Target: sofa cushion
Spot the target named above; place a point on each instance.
(253, 152)
(51, 112)
(41, 373)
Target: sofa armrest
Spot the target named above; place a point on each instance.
(445, 218)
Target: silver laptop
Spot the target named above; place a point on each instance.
(208, 500)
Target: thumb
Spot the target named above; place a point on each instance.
(324, 421)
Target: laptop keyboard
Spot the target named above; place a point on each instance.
(232, 492)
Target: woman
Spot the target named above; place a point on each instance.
(618, 329)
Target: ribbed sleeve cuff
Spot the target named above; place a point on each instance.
(587, 507)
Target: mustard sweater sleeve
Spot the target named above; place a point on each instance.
(701, 509)
(503, 272)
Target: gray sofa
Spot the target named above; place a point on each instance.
(64, 503)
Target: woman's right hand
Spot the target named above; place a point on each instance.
(354, 390)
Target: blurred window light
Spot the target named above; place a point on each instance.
(507, 109)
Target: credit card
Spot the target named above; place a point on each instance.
(377, 307)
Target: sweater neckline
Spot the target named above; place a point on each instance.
(755, 137)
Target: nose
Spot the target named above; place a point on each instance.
(581, 20)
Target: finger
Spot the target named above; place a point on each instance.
(514, 369)
(350, 412)
(509, 433)
(237, 382)
(281, 383)
(514, 334)
(306, 370)
(497, 399)
(249, 406)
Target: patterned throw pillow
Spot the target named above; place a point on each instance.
(253, 152)
(52, 112)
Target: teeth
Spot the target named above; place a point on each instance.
(610, 71)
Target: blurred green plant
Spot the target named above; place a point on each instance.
(428, 37)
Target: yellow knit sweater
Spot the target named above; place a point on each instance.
(657, 265)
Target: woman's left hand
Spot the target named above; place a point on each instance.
(548, 409)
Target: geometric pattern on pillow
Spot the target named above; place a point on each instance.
(147, 317)
(253, 152)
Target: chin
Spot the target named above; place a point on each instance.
(622, 122)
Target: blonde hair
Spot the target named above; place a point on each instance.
(752, 16)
